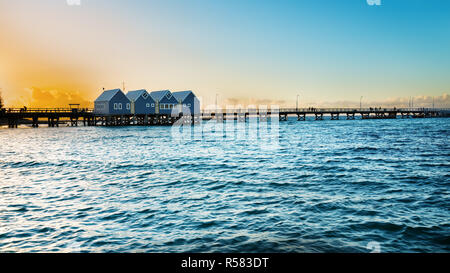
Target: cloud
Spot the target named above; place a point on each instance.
(421, 101)
(442, 101)
(252, 101)
(36, 97)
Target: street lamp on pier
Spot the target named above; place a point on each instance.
(217, 95)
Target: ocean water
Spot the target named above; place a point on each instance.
(315, 186)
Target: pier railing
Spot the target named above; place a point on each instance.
(322, 110)
(47, 110)
(310, 110)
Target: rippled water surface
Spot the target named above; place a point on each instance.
(329, 186)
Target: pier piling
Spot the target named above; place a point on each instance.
(319, 116)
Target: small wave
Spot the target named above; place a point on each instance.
(364, 212)
(176, 242)
(382, 226)
(422, 230)
(208, 224)
(147, 211)
(24, 164)
(44, 230)
(114, 216)
(217, 187)
(364, 149)
(254, 212)
(281, 184)
(325, 206)
(19, 208)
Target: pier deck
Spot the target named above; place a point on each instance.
(334, 113)
(54, 116)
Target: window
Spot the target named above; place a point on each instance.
(115, 106)
(145, 95)
(128, 106)
(168, 95)
(120, 106)
(147, 105)
(184, 105)
(171, 106)
(153, 105)
(189, 105)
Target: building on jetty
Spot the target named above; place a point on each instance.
(165, 102)
(112, 102)
(141, 102)
(188, 102)
(141, 108)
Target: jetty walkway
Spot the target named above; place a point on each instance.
(74, 116)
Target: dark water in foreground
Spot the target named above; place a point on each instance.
(329, 186)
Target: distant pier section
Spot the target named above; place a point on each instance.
(158, 108)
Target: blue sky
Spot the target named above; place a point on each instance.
(243, 50)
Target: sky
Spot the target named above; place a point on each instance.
(328, 52)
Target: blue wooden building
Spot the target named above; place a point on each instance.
(141, 102)
(165, 102)
(112, 102)
(188, 102)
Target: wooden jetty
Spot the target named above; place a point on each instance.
(53, 116)
(333, 113)
(73, 116)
